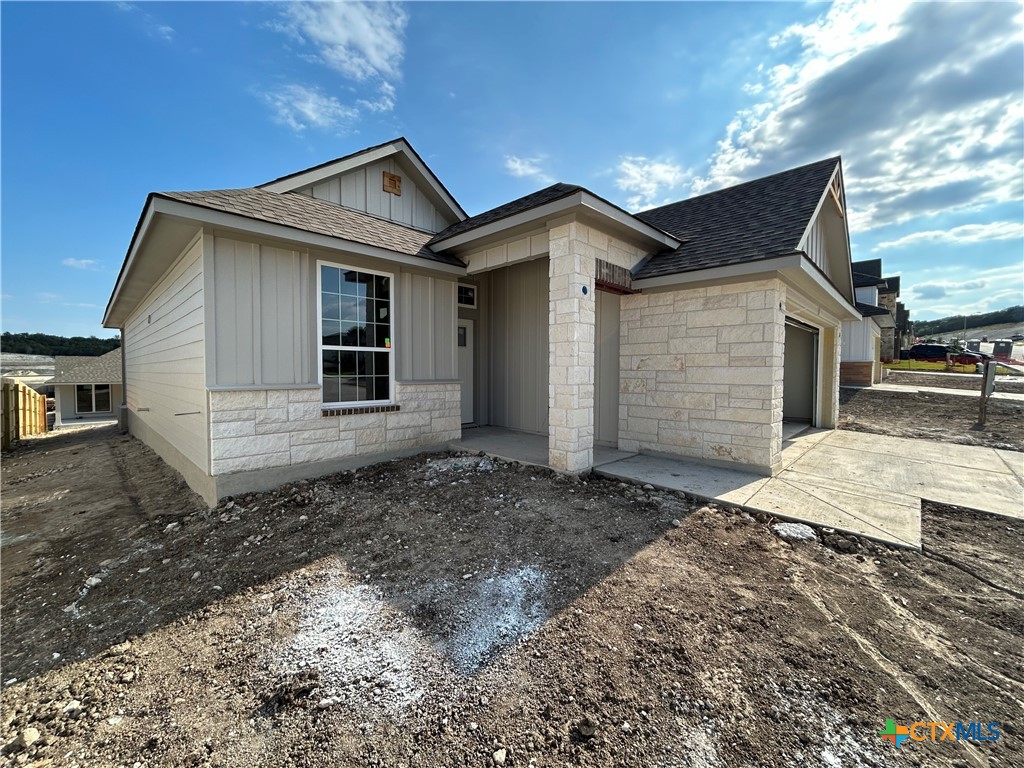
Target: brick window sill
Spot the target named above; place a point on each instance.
(358, 409)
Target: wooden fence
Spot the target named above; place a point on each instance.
(23, 411)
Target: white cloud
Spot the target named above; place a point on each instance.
(153, 26)
(921, 99)
(962, 235)
(527, 168)
(300, 107)
(647, 181)
(385, 101)
(79, 263)
(47, 298)
(360, 40)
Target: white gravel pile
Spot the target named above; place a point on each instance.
(364, 651)
(497, 613)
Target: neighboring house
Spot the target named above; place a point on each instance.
(353, 311)
(888, 293)
(864, 339)
(86, 388)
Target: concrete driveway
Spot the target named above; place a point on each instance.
(867, 484)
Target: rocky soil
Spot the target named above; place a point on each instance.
(932, 416)
(972, 382)
(454, 610)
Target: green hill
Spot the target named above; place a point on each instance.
(956, 322)
(45, 344)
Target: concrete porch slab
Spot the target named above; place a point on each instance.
(523, 447)
(871, 485)
(731, 486)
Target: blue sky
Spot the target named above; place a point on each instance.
(642, 103)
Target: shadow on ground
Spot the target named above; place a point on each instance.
(105, 543)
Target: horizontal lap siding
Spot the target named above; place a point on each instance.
(164, 358)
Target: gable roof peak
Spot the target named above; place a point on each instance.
(428, 180)
(827, 162)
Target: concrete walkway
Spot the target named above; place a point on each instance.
(871, 485)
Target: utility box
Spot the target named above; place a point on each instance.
(1002, 349)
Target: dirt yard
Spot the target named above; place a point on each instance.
(1014, 384)
(932, 416)
(456, 611)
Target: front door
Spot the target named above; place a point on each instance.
(465, 343)
(606, 370)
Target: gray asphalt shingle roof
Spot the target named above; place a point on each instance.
(748, 222)
(525, 203)
(298, 211)
(81, 369)
(868, 310)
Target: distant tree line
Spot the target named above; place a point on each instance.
(45, 344)
(956, 322)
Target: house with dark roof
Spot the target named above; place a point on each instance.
(86, 388)
(870, 340)
(354, 311)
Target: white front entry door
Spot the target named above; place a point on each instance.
(464, 338)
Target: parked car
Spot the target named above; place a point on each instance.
(938, 353)
(1017, 337)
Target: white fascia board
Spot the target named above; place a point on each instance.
(268, 229)
(319, 174)
(552, 210)
(747, 268)
(802, 245)
(630, 222)
(811, 269)
(366, 158)
(143, 229)
(884, 321)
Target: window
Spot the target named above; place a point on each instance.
(92, 398)
(467, 296)
(356, 364)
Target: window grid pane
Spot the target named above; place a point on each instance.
(83, 398)
(355, 319)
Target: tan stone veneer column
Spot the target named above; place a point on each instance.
(571, 335)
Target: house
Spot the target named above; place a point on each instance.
(86, 388)
(872, 340)
(353, 311)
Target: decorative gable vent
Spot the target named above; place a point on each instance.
(393, 183)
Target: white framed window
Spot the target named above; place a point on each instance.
(466, 295)
(356, 350)
(92, 398)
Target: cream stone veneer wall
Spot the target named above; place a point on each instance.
(701, 373)
(573, 250)
(260, 429)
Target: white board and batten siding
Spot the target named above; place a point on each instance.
(165, 358)
(816, 247)
(519, 347)
(425, 313)
(362, 189)
(859, 340)
(264, 331)
(261, 331)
